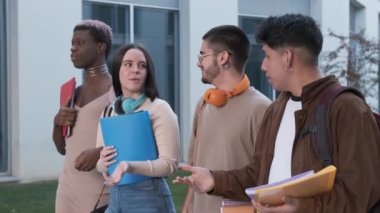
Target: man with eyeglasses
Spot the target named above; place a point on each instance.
(227, 117)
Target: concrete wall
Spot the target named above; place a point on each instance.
(273, 7)
(198, 16)
(44, 31)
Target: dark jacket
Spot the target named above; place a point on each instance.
(355, 152)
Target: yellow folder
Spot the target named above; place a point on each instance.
(231, 206)
(302, 186)
(237, 209)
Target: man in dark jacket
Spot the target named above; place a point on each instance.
(292, 44)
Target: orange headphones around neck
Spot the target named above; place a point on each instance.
(219, 97)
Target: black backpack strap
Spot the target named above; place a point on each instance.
(107, 111)
(322, 144)
(323, 138)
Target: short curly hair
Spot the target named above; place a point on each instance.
(99, 30)
(292, 30)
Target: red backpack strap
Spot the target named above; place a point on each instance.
(323, 137)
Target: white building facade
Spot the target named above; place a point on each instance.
(35, 39)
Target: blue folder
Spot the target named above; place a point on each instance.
(132, 136)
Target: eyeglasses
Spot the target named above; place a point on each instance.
(202, 56)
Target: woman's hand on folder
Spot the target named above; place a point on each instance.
(116, 175)
(107, 156)
(201, 179)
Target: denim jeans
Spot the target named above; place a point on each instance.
(150, 196)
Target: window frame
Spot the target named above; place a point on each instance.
(4, 89)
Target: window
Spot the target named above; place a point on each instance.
(155, 28)
(4, 147)
(162, 43)
(116, 16)
(356, 27)
(253, 68)
(357, 17)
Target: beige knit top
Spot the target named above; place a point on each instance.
(166, 133)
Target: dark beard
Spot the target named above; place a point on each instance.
(214, 72)
(205, 81)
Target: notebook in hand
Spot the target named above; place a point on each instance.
(307, 184)
(132, 136)
(67, 97)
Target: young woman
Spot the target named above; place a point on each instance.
(133, 81)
